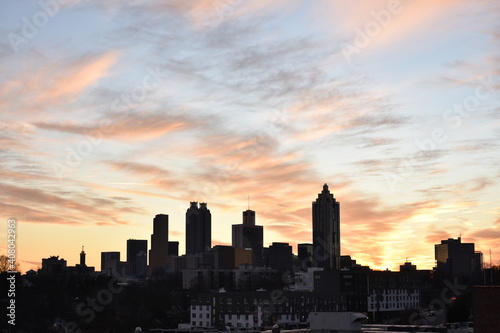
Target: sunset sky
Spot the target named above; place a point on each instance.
(114, 111)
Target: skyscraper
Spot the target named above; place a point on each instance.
(173, 249)
(249, 236)
(326, 230)
(249, 217)
(158, 254)
(457, 258)
(82, 258)
(305, 254)
(110, 262)
(198, 228)
(137, 257)
(280, 256)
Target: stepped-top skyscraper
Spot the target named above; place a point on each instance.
(198, 228)
(158, 255)
(326, 230)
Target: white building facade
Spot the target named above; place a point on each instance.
(201, 315)
(393, 300)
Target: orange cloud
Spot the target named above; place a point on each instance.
(55, 83)
(39, 206)
(79, 75)
(396, 21)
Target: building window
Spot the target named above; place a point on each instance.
(193, 323)
(208, 315)
(193, 315)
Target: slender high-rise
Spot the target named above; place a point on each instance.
(137, 257)
(82, 257)
(198, 228)
(326, 231)
(158, 254)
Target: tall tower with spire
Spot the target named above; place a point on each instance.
(82, 257)
(326, 230)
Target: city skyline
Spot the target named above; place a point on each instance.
(112, 113)
(324, 249)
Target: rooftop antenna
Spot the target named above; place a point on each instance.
(249, 202)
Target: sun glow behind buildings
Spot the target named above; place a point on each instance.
(107, 122)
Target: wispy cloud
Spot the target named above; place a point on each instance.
(127, 127)
(48, 85)
(55, 206)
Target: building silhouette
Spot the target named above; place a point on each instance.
(249, 217)
(137, 258)
(485, 308)
(305, 254)
(82, 258)
(53, 265)
(158, 255)
(229, 257)
(280, 256)
(173, 249)
(110, 262)
(249, 236)
(458, 259)
(407, 267)
(326, 230)
(198, 228)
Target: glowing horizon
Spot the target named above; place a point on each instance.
(113, 113)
